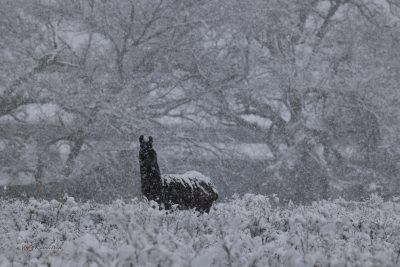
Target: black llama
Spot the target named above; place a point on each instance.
(191, 190)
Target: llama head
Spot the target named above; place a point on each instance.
(146, 146)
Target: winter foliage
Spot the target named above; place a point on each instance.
(298, 98)
(249, 231)
(293, 99)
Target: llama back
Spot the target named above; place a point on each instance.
(190, 190)
(192, 180)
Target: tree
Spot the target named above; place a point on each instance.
(308, 81)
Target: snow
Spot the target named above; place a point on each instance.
(192, 179)
(40, 113)
(146, 138)
(253, 151)
(259, 121)
(246, 231)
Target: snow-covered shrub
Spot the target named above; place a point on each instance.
(246, 231)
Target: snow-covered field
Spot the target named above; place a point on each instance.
(246, 231)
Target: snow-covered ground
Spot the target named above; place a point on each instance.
(246, 231)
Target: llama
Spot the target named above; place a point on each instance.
(191, 190)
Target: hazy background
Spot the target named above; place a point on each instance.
(298, 98)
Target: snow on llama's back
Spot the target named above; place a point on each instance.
(189, 190)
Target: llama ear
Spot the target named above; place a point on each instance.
(150, 139)
(141, 139)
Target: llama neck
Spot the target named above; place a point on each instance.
(149, 170)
